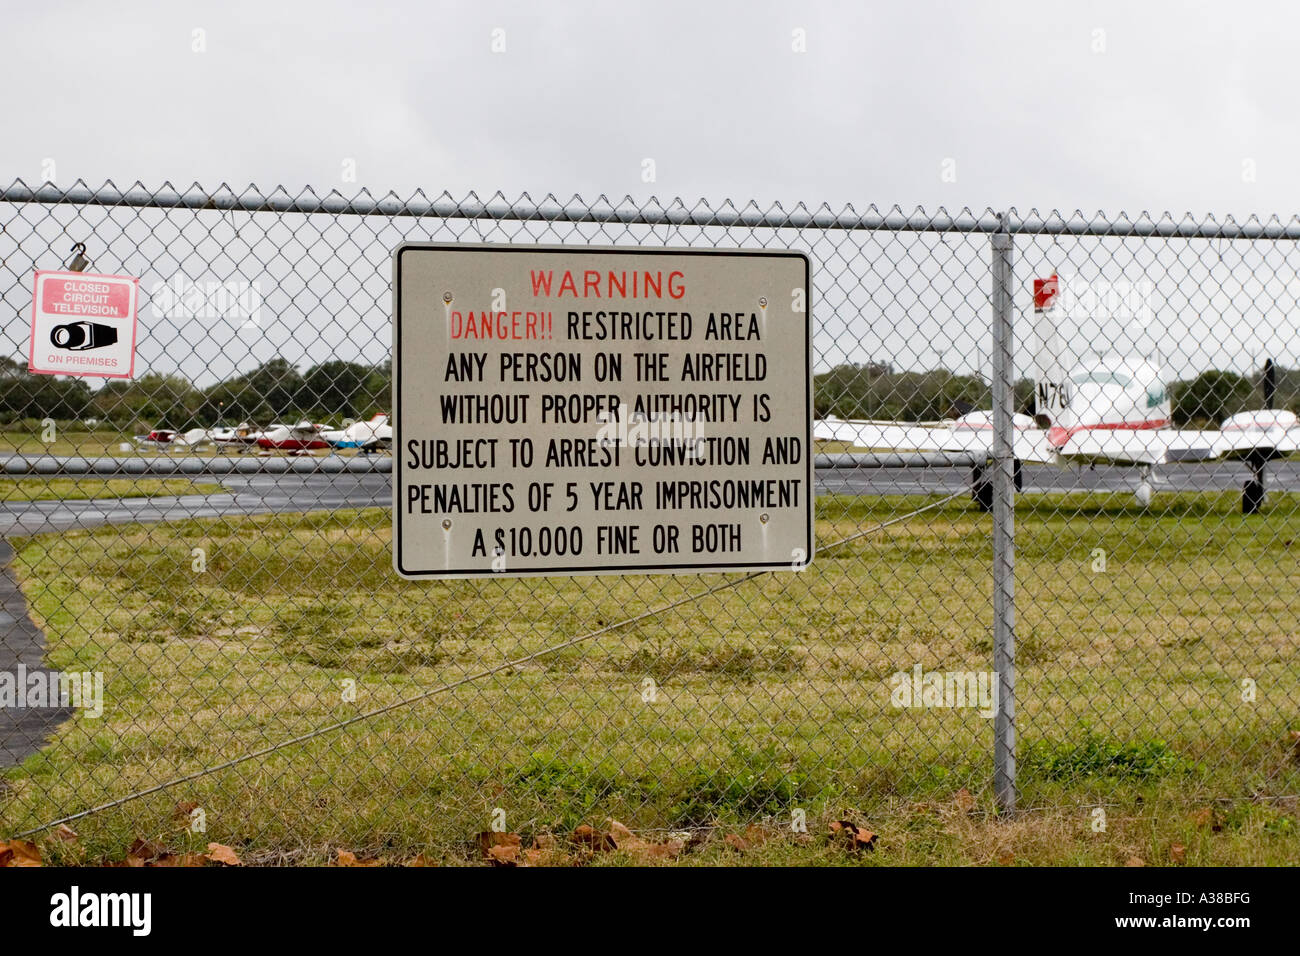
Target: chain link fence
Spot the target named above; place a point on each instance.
(238, 659)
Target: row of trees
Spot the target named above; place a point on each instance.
(275, 390)
(336, 389)
(875, 390)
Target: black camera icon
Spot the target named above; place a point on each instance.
(83, 335)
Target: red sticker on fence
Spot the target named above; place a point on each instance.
(84, 325)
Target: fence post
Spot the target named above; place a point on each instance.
(1004, 531)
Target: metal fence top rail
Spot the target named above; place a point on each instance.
(653, 212)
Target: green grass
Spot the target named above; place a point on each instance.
(87, 443)
(744, 705)
(80, 489)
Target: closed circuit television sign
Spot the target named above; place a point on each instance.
(83, 325)
(600, 410)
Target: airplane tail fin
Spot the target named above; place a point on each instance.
(1051, 376)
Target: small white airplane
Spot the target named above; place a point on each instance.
(367, 436)
(1111, 410)
(239, 436)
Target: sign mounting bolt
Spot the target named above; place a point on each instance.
(446, 524)
(763, 518)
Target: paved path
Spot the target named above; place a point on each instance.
(22, 729)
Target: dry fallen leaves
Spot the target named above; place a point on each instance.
(546, 851)
(642, 850)
(220, 853)
(500, 849)
(1178, 853)
(753, 836)
(1135, 861)
(1207, 817)
(504, 855)
(595, 840)
(737, 843)
(348, 858)
(142, 852)
(852, 835)
(19, 853)
(507, 849)
(963, 800)
(145, 853)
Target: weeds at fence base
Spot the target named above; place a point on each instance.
(950, 831)
(1098, 756)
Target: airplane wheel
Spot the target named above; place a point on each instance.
(1143, 493)
(1252, 497)
(981, 488)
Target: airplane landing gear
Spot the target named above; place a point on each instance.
(981, 484)
(1252, 494)
(981, 488)
(1144, 489)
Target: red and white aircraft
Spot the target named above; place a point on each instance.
(1112, 410)
(299, 438)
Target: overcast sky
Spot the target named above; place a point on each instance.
(1126, 107)
(1133, 106)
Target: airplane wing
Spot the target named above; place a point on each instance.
(1272, 433)
(1188, 444)
(958, 439)
(1145, 446)
(878, 435)
(1114, 446)
(1170, 445)
(1027, 444)
(1245, 435)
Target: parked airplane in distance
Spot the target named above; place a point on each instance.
(366, 436)
(240, 436)
(1110, 410)
(300, 438)
(160, 438)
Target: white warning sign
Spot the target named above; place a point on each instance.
(83, 324)
(564, 410)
